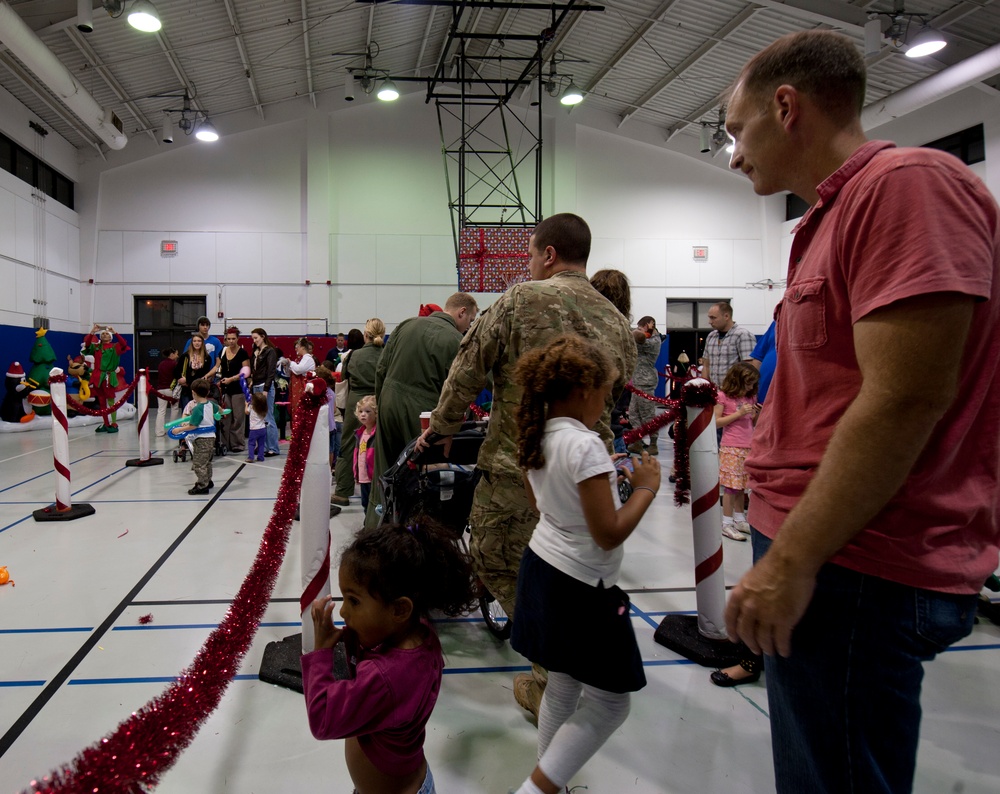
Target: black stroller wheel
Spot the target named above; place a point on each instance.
(497, 622)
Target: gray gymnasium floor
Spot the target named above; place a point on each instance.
(75, 661)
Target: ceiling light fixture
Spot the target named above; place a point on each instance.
(388, 91)
(926, 42)
(572, 95)
(206, 132)
(898, 32)
(143, 16)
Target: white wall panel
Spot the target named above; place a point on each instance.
(24, 290)
(239, 257)
(718, 270)
(395, 303)
(245, 303)
(282, 258)
(141, 261)
(24, 231)
(437, 260)
(195, 260)
(681, 271)
(354, 305)
(8, 280)
(8, 222)
(57, 296)
(56, 245)
(110, 256)
(354, 258)
(606, 252)
(283, 302)
(748, 260)
(645, 261)
(110, 306)
(397, 259)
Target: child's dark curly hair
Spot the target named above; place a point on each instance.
(550, 373)
(741, 380)
(422, 561)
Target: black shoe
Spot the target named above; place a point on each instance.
(196, 491)
(720, 678)
(671, 478)
(270, 454)
(211, 484)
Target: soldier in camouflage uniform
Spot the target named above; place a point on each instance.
(558, 300)
(645, 379)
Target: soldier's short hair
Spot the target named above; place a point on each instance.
(569, 234)
(461, 300)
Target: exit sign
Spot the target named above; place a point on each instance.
(700, 253)
(168, 248)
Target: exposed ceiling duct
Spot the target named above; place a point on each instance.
(23, 43)
(944, 83)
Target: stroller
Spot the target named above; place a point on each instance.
(429, 484)
(183, 447)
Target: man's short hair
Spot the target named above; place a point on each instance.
(569, 234)
(725, 307)
(461, 300)
(203, 320)
(822, 64)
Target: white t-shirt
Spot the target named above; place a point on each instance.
(572, 454)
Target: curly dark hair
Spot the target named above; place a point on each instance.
(422, 561)
(741, 380)
(553, 372)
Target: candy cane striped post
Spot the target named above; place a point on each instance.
(63, 509)
(314, 512)
(703, 638)
(142, 405)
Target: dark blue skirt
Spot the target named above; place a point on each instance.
(568, 626)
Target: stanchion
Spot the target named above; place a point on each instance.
(281, 663)
(63, 509)
(142, 404)
(702, 638)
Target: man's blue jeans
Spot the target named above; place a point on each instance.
(845, 706)
(271, 433)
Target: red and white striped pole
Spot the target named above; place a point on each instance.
(706, 516)
(63, 509)
(314, 516)
(142, 406)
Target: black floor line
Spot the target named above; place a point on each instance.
(15, 731)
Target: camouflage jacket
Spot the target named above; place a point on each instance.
(527, 316)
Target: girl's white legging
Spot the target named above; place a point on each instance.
(571, 730)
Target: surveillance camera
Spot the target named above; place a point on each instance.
(349, 88)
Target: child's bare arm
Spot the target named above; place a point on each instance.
(610, 527)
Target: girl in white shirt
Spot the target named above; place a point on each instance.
(571, 617)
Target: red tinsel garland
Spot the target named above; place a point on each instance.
(143, 747)
(80, 408)
(478, 412)
(150, 389)
(693, 395)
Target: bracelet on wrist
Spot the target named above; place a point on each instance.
(643, 488)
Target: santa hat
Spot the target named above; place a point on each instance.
(89, 359)
(428, 309)
(15, 371)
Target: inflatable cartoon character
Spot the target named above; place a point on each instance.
(80, 369)
(15, 407)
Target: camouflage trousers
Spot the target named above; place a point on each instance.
(642, 411)
(501, 523)
(202, 451)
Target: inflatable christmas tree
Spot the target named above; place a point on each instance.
(43, 358)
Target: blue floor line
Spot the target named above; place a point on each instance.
(645, 616)
(47, 473)
(19, 521)
(64, 630)
(12, 684)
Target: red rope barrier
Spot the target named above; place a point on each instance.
(80, 408)
(136, 755)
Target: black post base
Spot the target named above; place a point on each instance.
(282, 663)
(680, 633)
(141, 462)
(50, 513)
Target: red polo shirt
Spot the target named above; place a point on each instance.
(891, 224)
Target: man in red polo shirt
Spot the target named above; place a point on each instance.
(875, 497)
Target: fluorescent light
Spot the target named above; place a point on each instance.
(926, 42)
(143, 17)
(571, 96)
(206, 132)
(388, 92)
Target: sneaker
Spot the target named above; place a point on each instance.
(249, 460)
(742, 526)
(527, 693)
(270, 454)
(732, 532)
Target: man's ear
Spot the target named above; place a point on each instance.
(402, 610)
(787, 105)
